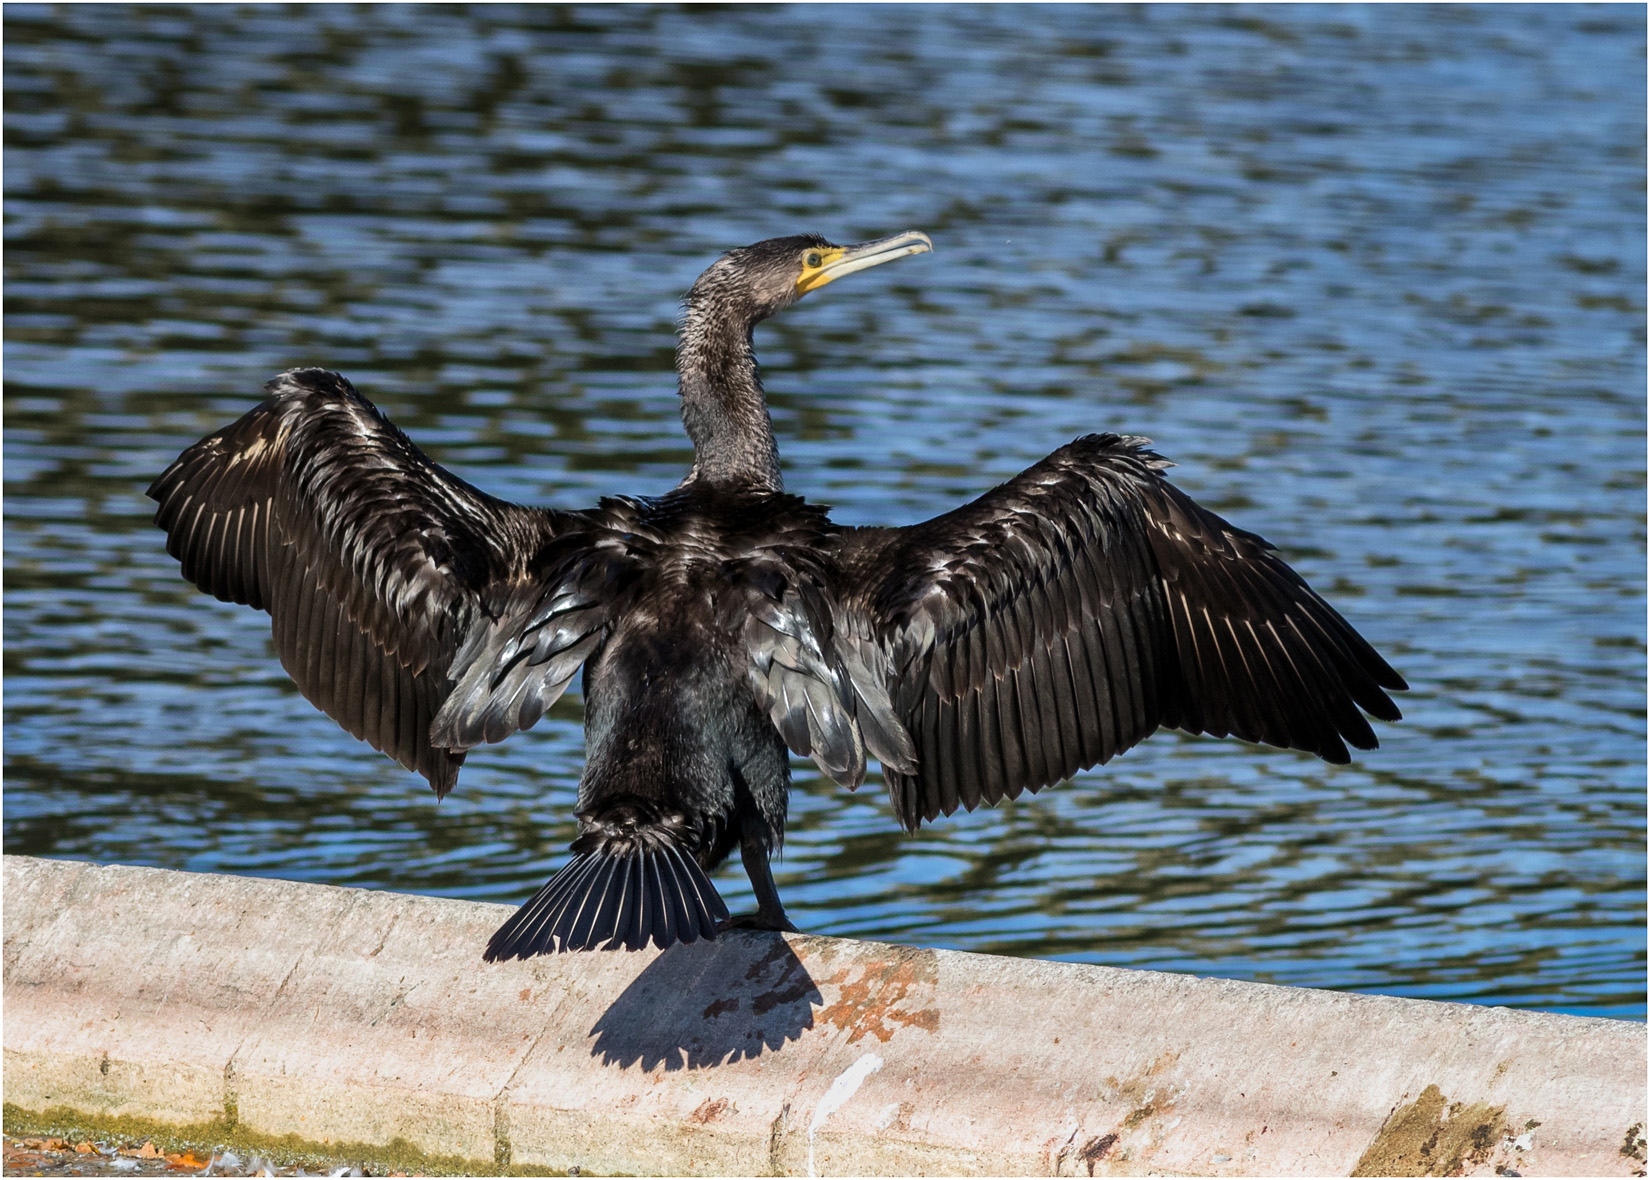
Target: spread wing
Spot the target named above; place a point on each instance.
(389, 581)
(1063, 617)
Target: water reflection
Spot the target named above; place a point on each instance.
(1373, 276)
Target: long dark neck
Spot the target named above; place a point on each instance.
(723, 406)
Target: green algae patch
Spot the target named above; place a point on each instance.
(1432, 1137)
(379, 1159)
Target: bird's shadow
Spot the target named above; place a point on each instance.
(709, 1003)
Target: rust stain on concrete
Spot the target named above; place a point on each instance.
(869, 1004)
(1150, 1095)
(1141, 1087)
(1095, 1149)
(778, 950)
(794, 982)
(1139, 1115)
(717, 1007)
(901, 1120)
(709, 1110)
(1433, 1137)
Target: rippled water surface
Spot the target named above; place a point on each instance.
(1373, 276)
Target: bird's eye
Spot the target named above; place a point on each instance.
(812, 260)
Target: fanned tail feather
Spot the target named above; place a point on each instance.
(601, 900)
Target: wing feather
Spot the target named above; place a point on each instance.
(971, 736)
(1086, 723)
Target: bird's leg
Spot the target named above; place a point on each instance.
(770, 913)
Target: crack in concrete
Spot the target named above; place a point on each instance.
(231, 1099)
(503, 1150)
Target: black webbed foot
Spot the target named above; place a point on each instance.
(758, 921)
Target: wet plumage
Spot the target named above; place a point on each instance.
(1046, 627)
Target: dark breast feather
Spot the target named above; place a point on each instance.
(1063, 617)
(373, 562)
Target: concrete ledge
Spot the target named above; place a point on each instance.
(268, 1009)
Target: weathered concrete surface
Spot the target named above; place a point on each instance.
(346, 1015)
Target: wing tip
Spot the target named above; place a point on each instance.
(442, 774)
(1337, 754)
(1388, 710)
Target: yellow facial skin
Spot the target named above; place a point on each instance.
(814, 263)
(827, 265)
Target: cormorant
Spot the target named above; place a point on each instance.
(1046, 627)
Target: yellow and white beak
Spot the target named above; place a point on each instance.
(845, 260)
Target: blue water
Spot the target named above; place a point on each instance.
(1373, 276)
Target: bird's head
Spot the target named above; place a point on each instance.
(753, 282)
